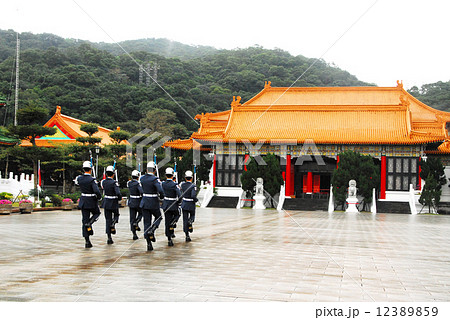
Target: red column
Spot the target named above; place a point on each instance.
(287, 191)
(309, 187)
(383, 178)
(292, 180)
(245, 161)
(337, 162)
(420, 170)
(214, 171)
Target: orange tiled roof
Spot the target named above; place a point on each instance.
(68, 129)
(444, 148)
(327, 115)
(186, 144)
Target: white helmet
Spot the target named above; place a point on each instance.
(151, 165)
(188, 174)
(87, 165)
(135, 173)
(109, 169)
(169, 171)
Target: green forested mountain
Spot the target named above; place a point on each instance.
(99, 86)
(436, 95)
(44, 41)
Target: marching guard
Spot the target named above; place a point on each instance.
(90, 194)
(135, 189)
(172, 196)
(151, 187)
(189, 192)
(111, 202)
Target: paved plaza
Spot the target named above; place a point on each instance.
(235, 255)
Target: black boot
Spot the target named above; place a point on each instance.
(89, 229)
(170, 243)
(135, 237)
(88, 243)
(152, 237)
(188, 239)
(110, 240)
(190, 227)
(136, 226)
(149, 245)
(113, 229)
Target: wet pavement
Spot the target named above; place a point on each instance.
(235, 255)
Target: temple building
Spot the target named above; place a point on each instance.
(67, 130)
(386, 123)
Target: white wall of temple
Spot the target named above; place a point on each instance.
(445, 196)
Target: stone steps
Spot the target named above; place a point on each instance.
(305, 204)
(393, 207)
(223, 202)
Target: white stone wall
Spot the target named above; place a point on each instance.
(15, 184)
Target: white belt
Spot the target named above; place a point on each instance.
(173, 199)
(88, 195)
(150, 195)
(185, 199)
(110, 197)
(135, 197)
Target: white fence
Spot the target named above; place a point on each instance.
(17, 184)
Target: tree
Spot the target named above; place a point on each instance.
(431, 193)
(353, 165)
(29, 128)
(434, 167)
(117, 149)
(432, 171)
(164, 122)
(186, 163)
(90, 129)
(270, 172)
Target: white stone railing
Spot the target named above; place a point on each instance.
(16, 185)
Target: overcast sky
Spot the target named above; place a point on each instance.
(393, 40)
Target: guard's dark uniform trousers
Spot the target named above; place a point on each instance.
(90, 194)
(172, 196)
(189, 192)
(135, 189)
(151, 187)
(111, 203)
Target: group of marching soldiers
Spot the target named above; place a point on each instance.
(145, 193)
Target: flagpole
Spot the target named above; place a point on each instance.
(156, 163)
(175, 168)
(39, 179)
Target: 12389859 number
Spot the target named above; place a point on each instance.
(407, 311)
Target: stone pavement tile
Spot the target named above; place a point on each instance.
(248, 300)
(302, 297)
(235, 255)
(275, 296)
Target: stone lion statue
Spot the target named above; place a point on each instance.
(352, 188)
(259, 188)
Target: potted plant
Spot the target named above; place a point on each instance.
(5, 206)
(25, 206)
(67, 204)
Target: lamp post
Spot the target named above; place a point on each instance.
(97, 151)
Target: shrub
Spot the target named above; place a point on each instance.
(56, 200)
(73, 196)
(6, 196)
(125, 192)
